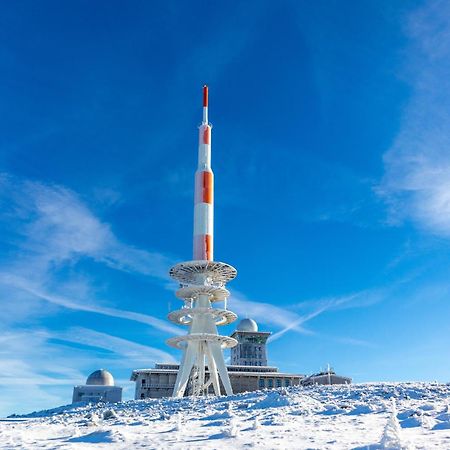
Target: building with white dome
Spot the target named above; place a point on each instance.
(251, 347)
(247, 325)
(99, 387)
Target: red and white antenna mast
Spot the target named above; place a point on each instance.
(204, 191)
(202, 283)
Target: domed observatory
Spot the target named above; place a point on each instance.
(251, 348)
(100, 378)
(99, 387)
(247, 325)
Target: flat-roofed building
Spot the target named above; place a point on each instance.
(160, 381)
(248, 370)
(327, 376)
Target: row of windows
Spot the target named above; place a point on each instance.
(158, 380)
(270, 382)
(240, 367)
(252, 340)
(247, 347)
(251, 363)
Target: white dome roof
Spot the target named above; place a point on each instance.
(100, 378)
(247, 325)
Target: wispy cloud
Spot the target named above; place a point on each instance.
(297, 323)
(266, 313)
(358, 299)
(317, 307)
(47, 229)
(49, 226)
(48, 366)
(353, 341)
(416, 184)
(47, 373)
(53, 225)
(132, 351)
(25, 285)
(35, 367)
(286, 319)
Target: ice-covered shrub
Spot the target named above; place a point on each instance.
(232, 430)
(391, 438)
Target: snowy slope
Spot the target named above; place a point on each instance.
(401, 415)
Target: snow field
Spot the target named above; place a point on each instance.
(364, 416)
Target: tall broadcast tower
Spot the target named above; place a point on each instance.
(202, 283)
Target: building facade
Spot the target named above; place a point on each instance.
(251, 347)
(160, 381)
(328, 376)
(248, 370)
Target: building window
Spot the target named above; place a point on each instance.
(270, 383)
(287, 382)
(142, 395)
(143, 381)
(278, 382)
(262, 384)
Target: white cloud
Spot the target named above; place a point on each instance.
(287, 319)
(358, 299)
(353, 341)
(29, 365)
(46, 228)
(297, 323)
(25, 285)
(132, 351)
(50, 226)
(317, 307)
(39, 371)
(56, 226)
(416, 184)
(266, 313)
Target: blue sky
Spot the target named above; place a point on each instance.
(331, 153)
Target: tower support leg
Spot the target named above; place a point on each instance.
(184, 372)
(213, 376)
(217, 354)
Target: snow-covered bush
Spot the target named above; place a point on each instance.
(232, 430)
(391, 438)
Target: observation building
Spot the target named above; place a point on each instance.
(99, 387)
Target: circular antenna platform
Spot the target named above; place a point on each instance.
(181, 341)
(203, 272)
(216, 294)
(184, 316)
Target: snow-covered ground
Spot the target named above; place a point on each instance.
(364, 416)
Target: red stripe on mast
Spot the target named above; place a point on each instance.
(207, 135)
(205, 96)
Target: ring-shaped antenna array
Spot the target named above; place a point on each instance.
(180, 342)
(184, 316)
